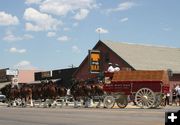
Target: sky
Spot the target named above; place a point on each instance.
(56, 34)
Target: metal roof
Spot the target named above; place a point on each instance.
(4, 84)
(147, 57)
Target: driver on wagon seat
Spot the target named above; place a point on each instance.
(116, 69)
(110, 68)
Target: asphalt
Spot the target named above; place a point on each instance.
(131, 115)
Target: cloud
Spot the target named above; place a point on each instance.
(63, 38)
(27, 37)
(166, 29)
(101, 30)
(51, 34)
(8, 19)
(40, 21)
(9, 36)
(124, 19)
(79, 8)
(24, 65)
(82, 14)
(33, 1)
(122, 7)
(63, 7)
(66, 29)
(76, 49)
(75, 24)
(15, 50)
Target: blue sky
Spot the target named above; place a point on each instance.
(53, 34)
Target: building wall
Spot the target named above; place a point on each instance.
(26, 76)
(107, 55)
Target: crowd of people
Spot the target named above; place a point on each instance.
(175, 96)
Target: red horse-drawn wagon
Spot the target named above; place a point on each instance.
(147, 87)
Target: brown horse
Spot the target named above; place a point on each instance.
(82, 90)
(13, 94)
(61, 91)
(37, 91)
(46, 91)
(26, 94)
(88, 91)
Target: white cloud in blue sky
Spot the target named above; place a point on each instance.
(63, 38)
(24, 64)
(76, 49)
(32, 1)
(38, 21)
(10, 37)
(125, 19)
(53, 32)
(63, 7)
(167, 29)
(15, 50)
(75, 24)
(122, 6)
(7, 19)
(81, 14)
(66, 29)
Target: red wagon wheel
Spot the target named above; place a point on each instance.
(122, 101)
(145, 98)
(158, 100)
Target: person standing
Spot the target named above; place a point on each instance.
(167, 98)
(174, 95)
(178, 93)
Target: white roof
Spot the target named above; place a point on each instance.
(4, 84)
(147, 57)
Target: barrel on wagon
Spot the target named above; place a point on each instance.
(147, 86)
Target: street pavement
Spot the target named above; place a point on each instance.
(83, 116)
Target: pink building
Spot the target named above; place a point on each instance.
(26, 76)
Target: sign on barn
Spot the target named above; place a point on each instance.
(94, 61)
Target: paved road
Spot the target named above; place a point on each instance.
(82, 116)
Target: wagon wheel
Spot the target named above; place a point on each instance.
(158, 100)
(163, 101)
(109, 101)
(145, 98)
(122, 101)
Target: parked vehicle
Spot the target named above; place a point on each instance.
(2, 98)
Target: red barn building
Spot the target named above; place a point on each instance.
(133, 57)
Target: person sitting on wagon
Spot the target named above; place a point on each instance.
(110, 68)
(116, 69)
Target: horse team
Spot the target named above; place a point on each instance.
(29, 93)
